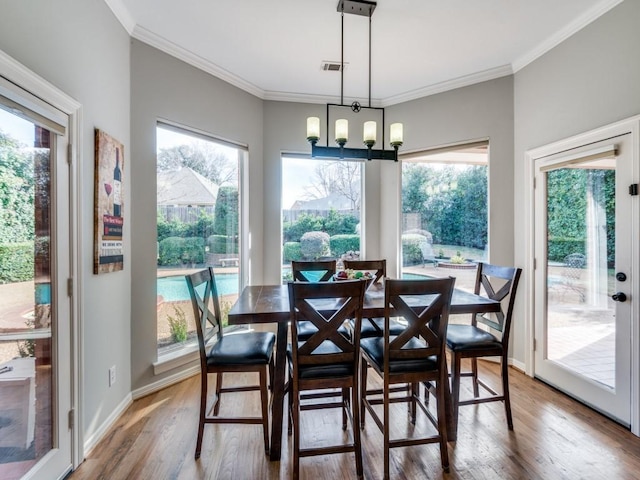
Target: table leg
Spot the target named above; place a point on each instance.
(277, 404)
(452, 420)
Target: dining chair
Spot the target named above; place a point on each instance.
(415, 355)
(472, 341)
(219, 354)
(325, 360)
(373, 327)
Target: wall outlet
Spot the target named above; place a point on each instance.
(112, 375)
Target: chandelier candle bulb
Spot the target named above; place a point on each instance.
(313, 129)
(342, 131)
(369, 133)
(396, 134)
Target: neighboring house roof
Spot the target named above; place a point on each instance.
(334, 201)
(185, 187)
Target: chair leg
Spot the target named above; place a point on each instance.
(455, 385)
(357, 444)
(474, 372)
(264, 396)
(385, 433)
(505, 391)
(203, 411)
(271, 370)
(295, 413)
(414, 392)
(345, 405)
(290, 409)
(442, 423)
(216, 406)
(363, 392)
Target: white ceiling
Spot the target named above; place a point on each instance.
(274, 48)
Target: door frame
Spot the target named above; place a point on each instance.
(26, 79)
(628, 126)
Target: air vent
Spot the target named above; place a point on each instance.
(329, 66)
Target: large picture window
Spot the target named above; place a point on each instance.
(321, 210)
(198, 225)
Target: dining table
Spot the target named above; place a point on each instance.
(269, 304)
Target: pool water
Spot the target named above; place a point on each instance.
(174, 289)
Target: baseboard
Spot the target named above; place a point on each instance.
(517, 364)
(166, 382)
(95, 438)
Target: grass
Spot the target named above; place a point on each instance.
(452, 250)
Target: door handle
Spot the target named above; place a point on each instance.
(619, 297)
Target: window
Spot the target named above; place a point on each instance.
(198, 225)
(321, 210)
(444, 213)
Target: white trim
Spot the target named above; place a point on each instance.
(109, 422)
(38, 86)
(173, 360)
(166, 382)
(122, 14)
(578, 24)
(632, 127)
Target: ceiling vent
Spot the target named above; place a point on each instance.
(329, 66)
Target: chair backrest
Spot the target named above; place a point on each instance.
(573, 265)
(327, 305)
(426, 323)
(206, 308)
(497, 283)
(378, 268)
(327, 269)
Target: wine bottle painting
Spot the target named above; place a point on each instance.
(109, 204)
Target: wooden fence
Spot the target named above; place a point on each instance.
(183, 213)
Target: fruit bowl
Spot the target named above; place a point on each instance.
(349, 274)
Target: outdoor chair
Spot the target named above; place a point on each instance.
(416, 355)
(326, 359)
(471, 341)
(245, 352)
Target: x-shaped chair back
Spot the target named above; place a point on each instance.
(206, 307)
(429, 323)
(298, 269)
(378, 268)
(327, 305)
(498, 283)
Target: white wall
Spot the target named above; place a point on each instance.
(163, 87)
(81, 48)
(590, 80)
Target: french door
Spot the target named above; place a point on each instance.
(35, 303)
(584, 277)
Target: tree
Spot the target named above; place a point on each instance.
(341, 177)
(205, 158)
(226, 212)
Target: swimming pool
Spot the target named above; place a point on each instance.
(174, 289)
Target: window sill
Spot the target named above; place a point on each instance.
(171, 361)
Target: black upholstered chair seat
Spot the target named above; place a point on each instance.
(253, 348)
(374, 327)
(321, 371)
(467, 337)
(306, 329)
(374, 348)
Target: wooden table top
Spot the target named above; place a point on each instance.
(270, 304)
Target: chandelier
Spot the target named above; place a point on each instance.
(362, 8)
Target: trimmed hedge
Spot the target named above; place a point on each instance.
(180, 251)
(16, 262)
(412, 248)
(291, 251)
(561, 247)
(341, 244)
(315, 245)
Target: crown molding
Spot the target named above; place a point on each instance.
(452, 84)
(161, 43)
(122, 14)
(578, 24)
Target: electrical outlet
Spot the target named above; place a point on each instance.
(112, 375)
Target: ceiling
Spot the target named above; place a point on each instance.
(274, 49)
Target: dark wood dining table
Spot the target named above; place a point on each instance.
(270, 304)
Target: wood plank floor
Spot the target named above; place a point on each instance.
(554, 437)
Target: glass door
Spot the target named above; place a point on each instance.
(583, 278)
(35, 368)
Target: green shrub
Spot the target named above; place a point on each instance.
(315, 245)
(558, 248)
(178, 325)
(341, 244)
(193, 250)
(412, 248)
(222, 244)
(180, 251)
(291, 251)
(16, 262)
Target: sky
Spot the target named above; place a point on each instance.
(16, 127)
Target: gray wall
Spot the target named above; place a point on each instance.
(83, 50)
(165, 88)
(590, 80)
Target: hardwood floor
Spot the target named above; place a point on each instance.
(554, 437)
